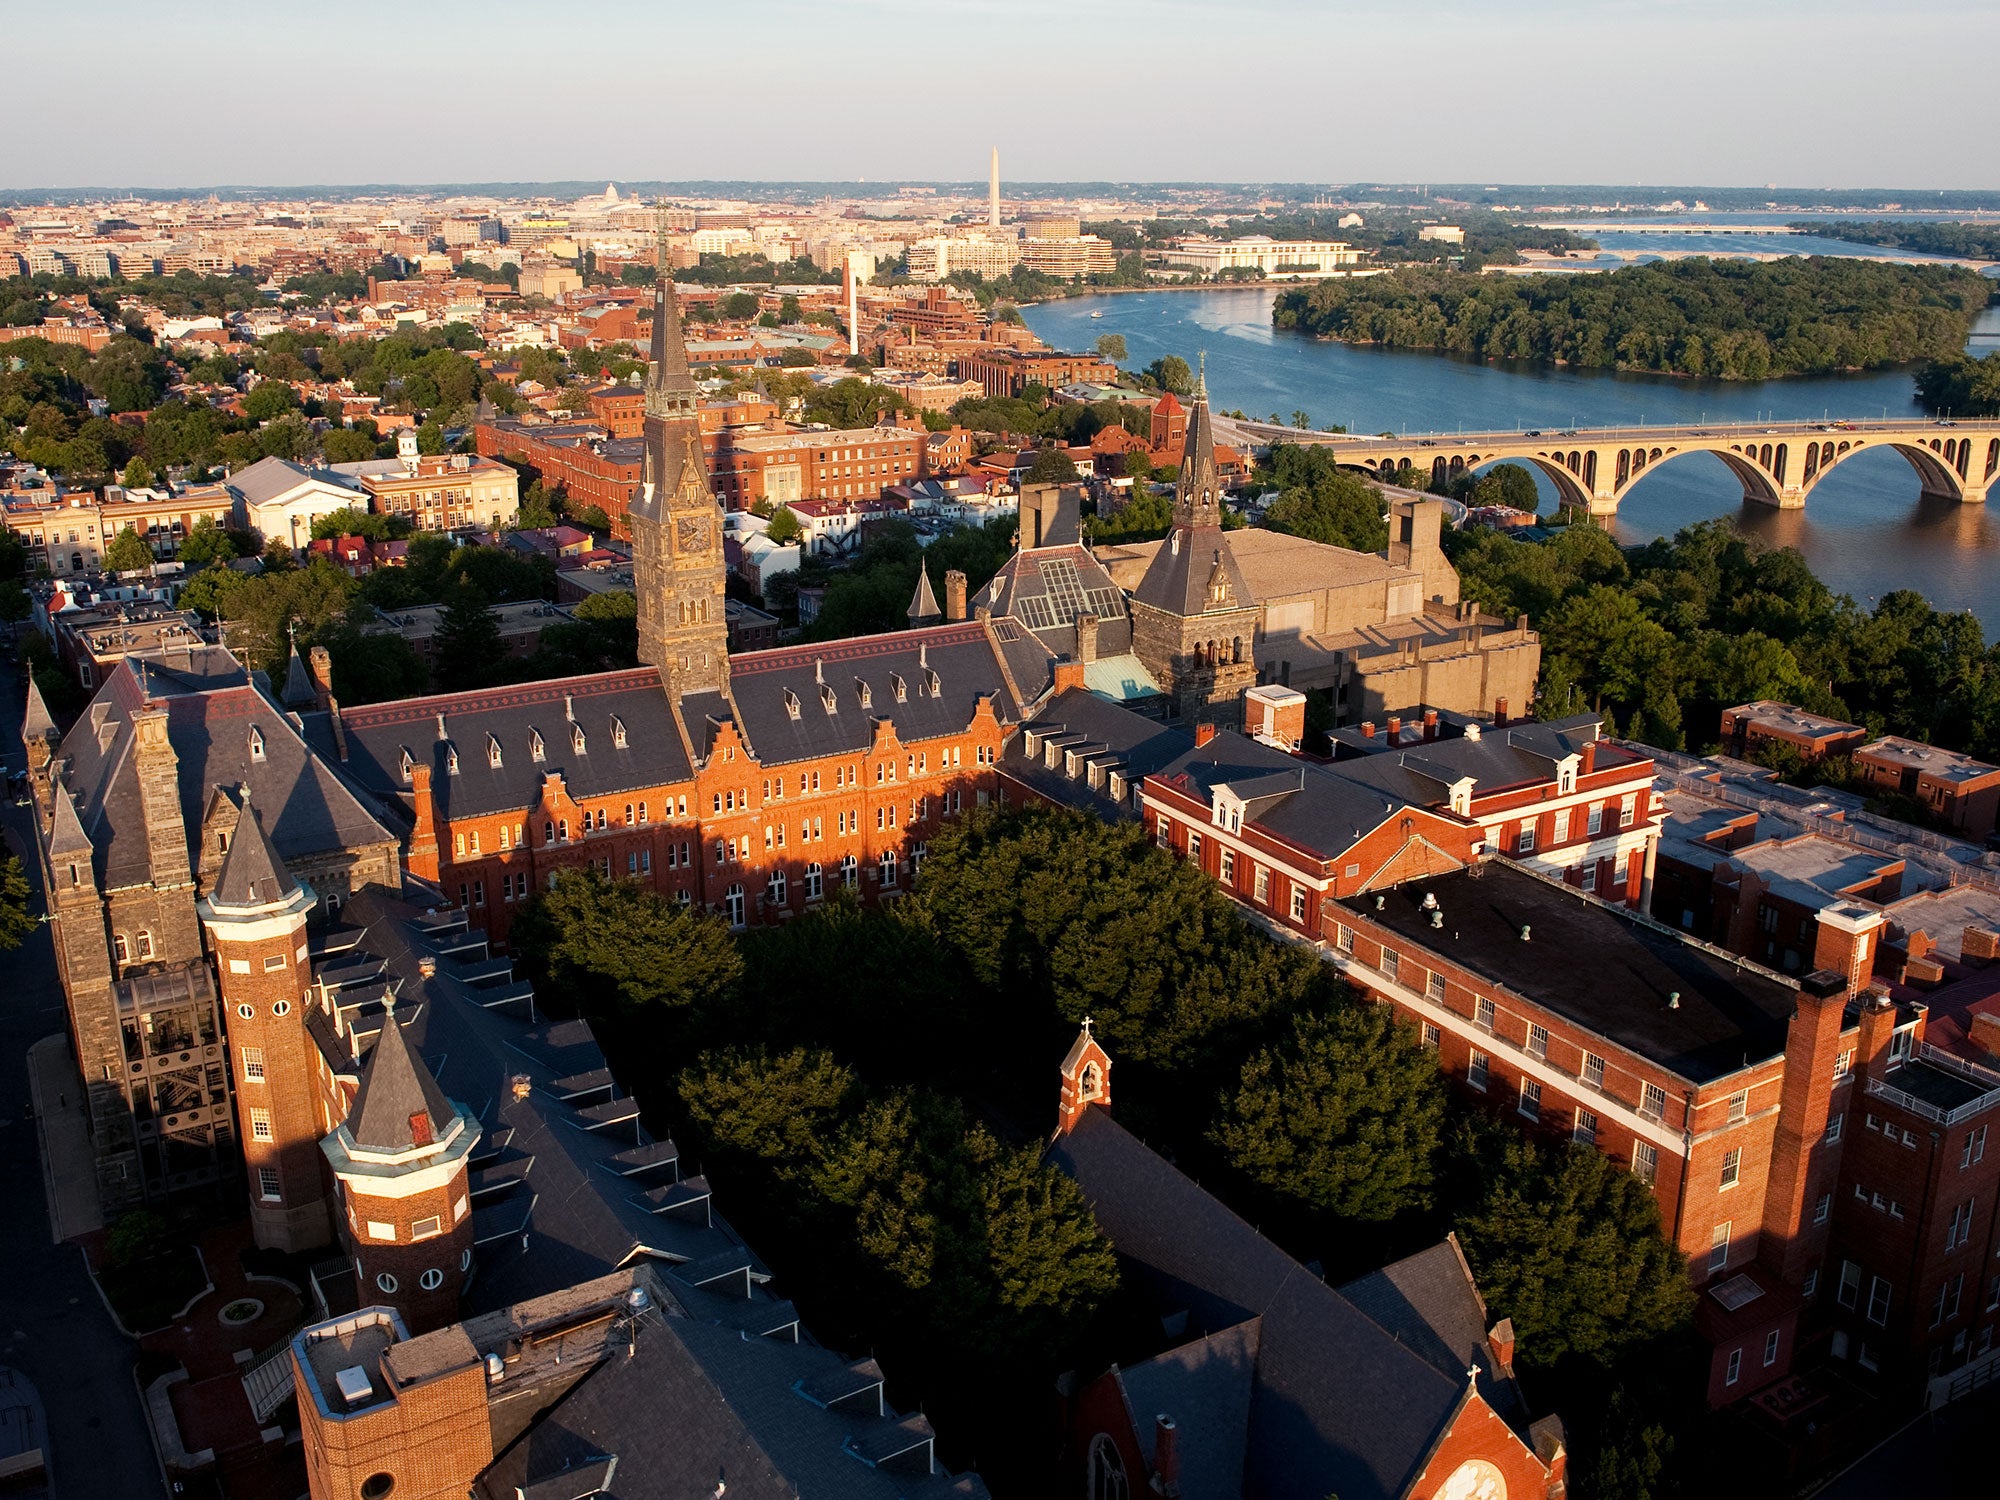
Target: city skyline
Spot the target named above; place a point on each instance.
(1688, 92)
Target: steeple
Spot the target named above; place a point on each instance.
(1086, 1080)
(299, 692)
(923, 608)
(676, 532)
(399, 1106)
(252, 872)
(1198, 495)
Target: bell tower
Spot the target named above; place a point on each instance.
(1086, 1080)
(255, 918)
(676, 525)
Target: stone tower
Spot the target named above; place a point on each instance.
(401, 1159)
(1194, 621)
(255, 918)
(676, 528)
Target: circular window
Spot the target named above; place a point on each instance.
(388, 1284)
(247, 1012)
(431, 1280)
(375, 1486)
(465, 1260)
(282, 1008)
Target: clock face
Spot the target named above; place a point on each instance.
(693, 534)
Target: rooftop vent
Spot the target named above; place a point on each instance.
(495, 1369)
(354, 1385)
(1526, 932)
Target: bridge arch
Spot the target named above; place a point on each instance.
(1947, 467)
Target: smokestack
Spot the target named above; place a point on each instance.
(853, 311)
(993, 193)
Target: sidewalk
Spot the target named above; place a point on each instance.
(69, 1172)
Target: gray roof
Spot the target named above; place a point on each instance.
(1309, 806)
(396, 1087)
(696, 1407)
(252, 873)
(269, 478)
(1338, 1405)
(299, 690)
(1196, 557)
(1134, 743)
(923, 603)
(781, 729)
(474, 724)
(212, 708)
(1431, 1304)
(1205, 1386)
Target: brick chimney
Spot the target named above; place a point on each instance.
(1368, 729)
(1430, 725)
(1203, 733)
(1589, 759)
(954, 595)
(1499, 713)
(1978, 945)
(1848, 936)
(1805, 1095)
(1500, 1343)
(1085, 649)
(1068, 674)
(1395, 729)
(1166, 1456)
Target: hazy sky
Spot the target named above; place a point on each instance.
(1815, 93)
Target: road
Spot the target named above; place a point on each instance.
(53, 1328)
(1257, 434)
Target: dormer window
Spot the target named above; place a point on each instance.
(409, 766)
(493, 752)
(863, 692)
(827, 700)
(899, 687)
(576, 740)
(791, 703)
(256, 743)
(617, 732)
(451, 760)
(537, 751)
(931, 681)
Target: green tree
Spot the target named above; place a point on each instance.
(1052, 466)
(270, 400)
(781, 1111)
(15, 923)
(205, 545)
(784, 526)
(738, 306)
(355, 521)
(128, 553)
(1111, 346)
(1322, 502)
(1171, 373)
(595, 937)
(138, 475)
(788, 309)
(469, 650)
(1344, 1115)
(345, 445)
(1567, 1243)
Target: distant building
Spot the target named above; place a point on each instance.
(1259, 252)
(1748, 727)
(1960, 792)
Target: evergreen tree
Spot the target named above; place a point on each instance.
(469, 652)
(598, 938)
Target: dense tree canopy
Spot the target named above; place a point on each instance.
(1322, 502)
(619, 940)
(1961, 386)
(1725, 319)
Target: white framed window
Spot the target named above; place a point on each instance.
(1475, 1071)
(1975, 1147)
(260, 1125)
(1225, 868)
(1593, 1070)
(423, 1229)
(1735, 1371)
(377, 1230)
(1343, 939)
(1298, 903)
(1879, 1293)
(1843, 1066)
(815, 881)
(1392, 963)
(1585, 1133)
(1959, 1230)
(119, 948)
(431, 1280)
(1262, 885)
(1849, 1290)
(1811, 1284)
(1538, 1041)
(1594, 823)
(1718, 1248)
(1432, 1036)
(1531, 1099)
(274, 962)
(1482, 1013)
(1653, 1101)
(1823, 1210)
(267, 1184)
(1646, 1162)
(1434, 987)
(1628, 805)
(1732, 1166)
(253, 1062)
(1526, 843)
(1560, 833)
(1835, 1125)
(1739, 1106)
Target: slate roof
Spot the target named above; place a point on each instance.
(1430, 1303)
(474, 723)
(252, 874)
(673, 451)
(1205, 1385)
(1308, 806)
(1103, 731)
(1177, 580)
(695, 1407)
(1498, 759)
(212, 706)
(1338, 1404)
(961, 655)
(396, 1087)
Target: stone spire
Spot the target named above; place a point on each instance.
(399, 1106)
(1198, 495)
(253, 873)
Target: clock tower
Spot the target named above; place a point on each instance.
(676, 524)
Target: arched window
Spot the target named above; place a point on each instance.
(1106, 1471)
(119, 948)
(145, 944)
(887, 866)
(732, 903)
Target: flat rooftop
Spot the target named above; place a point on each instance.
(1766, 714)
(1602, 967)
(1946, 765)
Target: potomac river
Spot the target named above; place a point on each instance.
(1864, 529)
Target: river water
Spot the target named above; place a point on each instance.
(1864, 529)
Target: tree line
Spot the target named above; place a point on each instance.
(868, 1086)
(1927, 237)
(1728, 320)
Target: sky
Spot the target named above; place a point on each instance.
(1804, 93)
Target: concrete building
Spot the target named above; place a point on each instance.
(1261, 253)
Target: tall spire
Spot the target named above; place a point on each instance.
(669, 383)
(923, 608)
(1198, 499)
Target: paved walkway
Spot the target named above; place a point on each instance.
(69, 1179)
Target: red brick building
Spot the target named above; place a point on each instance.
(1750, 726)
(1007, 372)
(1960, 792)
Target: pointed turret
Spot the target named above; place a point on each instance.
(924, 608)
(1198, 496)
(38, 729)
(299, 691)
(253, 873)
(67, 838)
(1195, 573)
(399, 1106)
